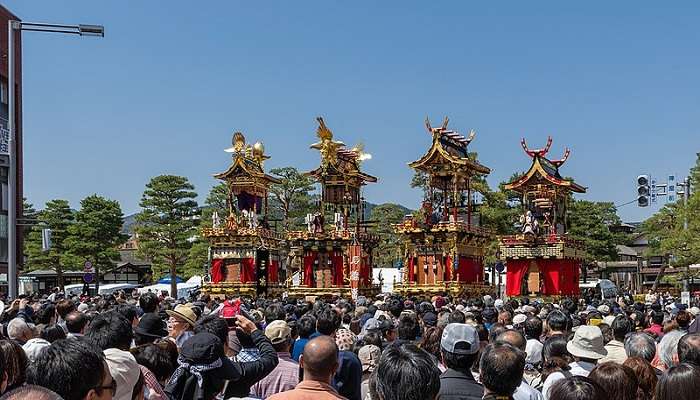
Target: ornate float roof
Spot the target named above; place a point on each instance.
(247, 165)
(448, 152)
(543, 168)
(338, 160)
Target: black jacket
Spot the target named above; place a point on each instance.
(251, 372)
(455, 385)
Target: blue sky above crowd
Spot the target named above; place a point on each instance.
(617, 82)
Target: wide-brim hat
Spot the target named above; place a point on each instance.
(587, 343)
(184, 312)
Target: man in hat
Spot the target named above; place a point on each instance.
(180, 324)
(150, 328)
(285, 376)
(587, 347)
(459, 346)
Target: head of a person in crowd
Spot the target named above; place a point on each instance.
(125, 372)
(640, 344)
(408, 327)
(683, 319)
(459, 346)
(51, 333)
(327, 321)
(646, 376)
(306, 326)
(490, 315)
(280, 335)
(557, 323)
(607, 332)
(202, 353)
(657, 317)
(15, 363)
(375, 338)
(130, 313)
(156, 359)
(456, 317)
(395, 306)
(180, 319)
(680, 382)
(668, 348)
(18, 329)
(501, 369)
(150, 328)
(369, 356)
(405, 372)
(532, 328)
(388, 328)
(149, 302)
(46, 314)
(429, 319)
(110, 330)
(64, 307)
(76, 322)
(32, 392)
(587, 344)
(577, 388)
(505, 318)
(496, 329)
(512, 337)
(319, 359)
(275, 312)
(621, 326)
(618, 381)
(216, 326)
(74, 369)
(554, 351)
(689, 349)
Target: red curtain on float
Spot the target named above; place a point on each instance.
(448, 266)
(247, 270)
(337, 260)
(516, 270)
(309, 260)
(570, 277)
(411, 269)
(217, 275)
(469, 270)
(273, 272)
(550, 273)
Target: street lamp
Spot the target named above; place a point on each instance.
(19, 26)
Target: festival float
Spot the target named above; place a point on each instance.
(245, 252)
(541, 259)
(442, 246)
(333, 255)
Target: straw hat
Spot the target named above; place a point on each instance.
(184, 312)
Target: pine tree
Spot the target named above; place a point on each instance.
(291, 196)
(57, 216)
(167, 224)
(96, 234)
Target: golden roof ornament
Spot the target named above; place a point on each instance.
(237, 142)
(327, 146)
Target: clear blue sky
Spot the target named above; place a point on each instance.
(617, 82)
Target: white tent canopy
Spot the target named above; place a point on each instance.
(183, 289)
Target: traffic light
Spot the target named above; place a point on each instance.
(643, 191)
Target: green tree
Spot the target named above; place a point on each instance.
(590, 222)
(57, 216)
(167, 224)
(96, 234)
(291, 197)
(384, 215)
(199, 252)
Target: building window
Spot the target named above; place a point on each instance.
(3, 92)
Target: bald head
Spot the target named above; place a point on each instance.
(513, 338)
(320, 358)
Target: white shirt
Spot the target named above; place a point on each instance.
(578, 368)
(526, 392)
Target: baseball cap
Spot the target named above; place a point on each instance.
(278, 331)
(460, 339)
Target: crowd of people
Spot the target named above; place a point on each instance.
(134, 347)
